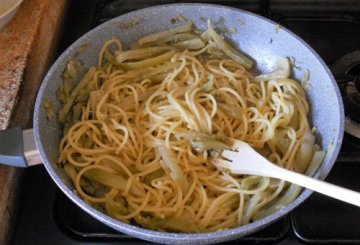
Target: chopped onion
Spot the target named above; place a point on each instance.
(160, 35)
(281, 70)
(211, 34)
(305, 153)
(191, 44)
(169, 163)
(106, 178)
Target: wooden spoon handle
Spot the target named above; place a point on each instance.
(322, 187)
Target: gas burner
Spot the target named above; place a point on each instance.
(352, 127)
(349, 83)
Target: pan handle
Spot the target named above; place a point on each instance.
(18, 148)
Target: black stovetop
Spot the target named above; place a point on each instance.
(332, 28)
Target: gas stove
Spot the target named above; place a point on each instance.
(332, 28)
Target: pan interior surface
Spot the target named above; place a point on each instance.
(261, 39)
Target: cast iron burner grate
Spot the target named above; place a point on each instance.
(349, 65)
(352, 95)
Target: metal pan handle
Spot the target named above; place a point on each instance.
(18, 148)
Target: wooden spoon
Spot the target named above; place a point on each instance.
(245, 160)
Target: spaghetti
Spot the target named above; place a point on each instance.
(142, 127)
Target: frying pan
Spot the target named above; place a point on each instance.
(260, 38)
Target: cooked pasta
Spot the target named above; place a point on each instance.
(142, 127)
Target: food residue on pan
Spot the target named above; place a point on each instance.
(49, 108)
(305, 80)
(294, 63)
(240, 22)
(221, 25)
(231, 30)
(73, 70)
(277, 28)
(82, 49)
(331, 146)
(130, 23)
(204, 19)
(179, 19)
(305, 77)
